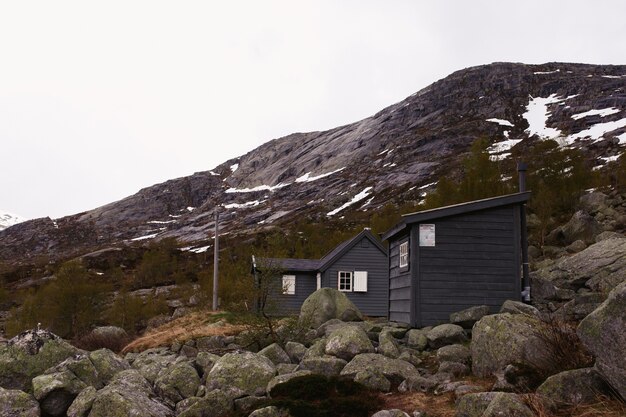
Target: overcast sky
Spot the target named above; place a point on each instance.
(100, 99)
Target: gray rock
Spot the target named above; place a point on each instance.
(15, 403)
(248, 404)
(209, 343)
(474, 405)
(82, 403)
(56, 391)
(393, 369)
(205, 361)
(581, 226)
(177, 382)
(593, 202)
(507, 405)
(246, 371)
(501, 339)
(150, 362)
(411, 356)
(325, 304)
(281, 379)
(110, 332)
(397, 332)
(600, 267)
(608, 235)
(316, 350)
(445, 334)
(188, 351)
(581, 306)
(603, 332)
(28, 355)
(275, 353)
(107, 363)
(454, 368)
(417, 383)
(286, 368)
(416, 339)
(466, 318)
(454, 353)
(373, 379)
(296, 351)
(215, 404)
(323, 365)
(387, 345)
(128, 394)
(347, 342)
(576, 246)
(517, 307)
(574, 387)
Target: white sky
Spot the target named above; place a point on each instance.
(100, 99)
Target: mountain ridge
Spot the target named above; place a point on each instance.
(392, 156)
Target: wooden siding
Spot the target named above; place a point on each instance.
(475, 261)
(399, 285)
(364, 256)
(306, 284)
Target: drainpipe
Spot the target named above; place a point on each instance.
(521, 170)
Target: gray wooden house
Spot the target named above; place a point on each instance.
(447, 259)
(357, 267)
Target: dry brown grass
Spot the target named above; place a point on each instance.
(604, 407)
(191, 326)
(434, 405)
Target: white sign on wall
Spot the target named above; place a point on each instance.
(427, 235)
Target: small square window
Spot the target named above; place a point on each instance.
(345, 281)
(404, 254)
(289, 284)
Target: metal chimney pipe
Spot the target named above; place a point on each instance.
(521, 170)
(216, 261)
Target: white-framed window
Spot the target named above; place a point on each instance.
(289, 284)
(404, 254)
(344, 281)
(360, 281)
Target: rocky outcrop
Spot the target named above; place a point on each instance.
(600, 267)
(28, 355)
(445, 334)
(466, 318)
(603, 332)
(347, 342)
(326, 304)
(395, 370)
(576, 387)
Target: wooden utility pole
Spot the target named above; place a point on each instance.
(216, 250)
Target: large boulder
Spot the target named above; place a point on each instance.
(323, 365)
(56, 391)
(15, 403)
(215, 404)
(466, 318)
(281, 379)
(246, 371)
(445, 334)
(574, 387)
(600, 267)
(107, 363)
(82, 403)
(581, 226)
(454, 353)
(128, 394)
(325, 304)
(502, 339)
(395, 370)
(110, 333)
(275, 353)
(28, 355)
(347, 342)
(517, 307)
(416, 339)
(388, 345)
(603, 332)
(150, 362)
(177, 382)
(492, 404)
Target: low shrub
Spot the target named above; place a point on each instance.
(320, 396)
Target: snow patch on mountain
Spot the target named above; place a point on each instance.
(598, 130)
(308, 178)
(501, 122)
(360, 196)
(537, 115)
(601, 112)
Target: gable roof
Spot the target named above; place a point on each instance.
(314, 265)
(290, 264)
(471, 206)
(341, 249)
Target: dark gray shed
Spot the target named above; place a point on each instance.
(447, 259)
(357, 267)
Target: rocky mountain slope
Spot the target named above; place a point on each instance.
(392, 156)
